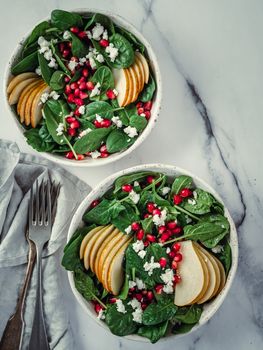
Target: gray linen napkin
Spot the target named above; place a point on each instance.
(17, 172)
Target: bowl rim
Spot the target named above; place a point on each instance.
(215, 303)
(156, 105)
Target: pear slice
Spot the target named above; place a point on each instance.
(101, 248)
(24, 96)
(145, 66)
(135, 82)
(106, 251)
(121, 82)
(29, 102)
(86, 239)
(222, 275)
(206, 273)
(139, 63)
(129, 87)
(18, 79)
(37, 105)
(193, 276)
(116, 273)
(94, 249)
(140, 76)
(17, 91)
(89, 245)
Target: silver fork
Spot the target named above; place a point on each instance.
(40, 223)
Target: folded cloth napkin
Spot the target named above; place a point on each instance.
(17, 173)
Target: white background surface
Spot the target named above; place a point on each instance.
(217, 47)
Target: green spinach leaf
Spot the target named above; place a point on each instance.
(104, 212)
(37, 142)
(148, 91)
(125, 217)
(57, 81)
(27, 64)
(138, 122)
(119, 323)
(180, 182)
(46, 71)
(64, 19)
(226, 257)
(91, 141)
(130, 178)
(102, 108)
(38, 31)
(79, 49)
(85, 285)
(157, 313)
(189, 314)
(117, 141)
(104, 77)
(125, 56)
(154, 333)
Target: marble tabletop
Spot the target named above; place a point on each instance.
(210, 54)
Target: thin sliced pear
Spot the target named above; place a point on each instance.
(101, 248)
(94, 249)
(192, 273)
(135, 82)
(121, 85)
(139, 63)
(145, 66)
(140, 76)
(29, 102)
(109, 258)
(106, 251)
(207, 276)
(222, 275)
(24, 96)
(36, 108)
(116, 273)
(18, 79)
(129, 87)
(17, 91)
(89, 246)
(86, 240)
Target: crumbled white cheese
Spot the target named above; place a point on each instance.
(38, 71)
(136, 184)
(66, 35)
(95, 154)
(140, 284)
(128, 229)
(44, 97)
(132, 284)
(191, 201)
(150, 266)
(97, 31)
(168, 250)
(217, 249)
(48, 55)
(54, 95)
(116, 120)
(159, 220)
(100, 58)
(137, 315)
(99, 118)
(135, 304)
(101, 315)
(165, 190)
(43, 43)
(60, 129)
(82, 60)
(135, 197)
(120, 306)
(52, 63)
(96, 90)
(167, 276)
(72, 65)
(112, 52)
(168, 289)
(105, 35)
(89, 35)
(195, 194)
(142, 254)
(115, 92)
(188, 219)
(137, 246)
(84, 132)
(142, 115)
(130, 131)
(81, 110)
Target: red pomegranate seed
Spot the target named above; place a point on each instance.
(150, 295)
(97, 123)
(77, 92)
(127, 188)
(150, 207)
(138, 296)
(140, 110)
(65, 53)
(172, 254)
(177, 279)
(135, 226)
(169, 233)
(85, 72)
(105, 123)
(150, 179)
(77, 112)
(174, 264)
(104, 43)
(162, 262)
(81, 80)
(73, 86)
(94, 203)
(81, 156)
(132, 289)
(83, 95)
(156, 211)
(74, 30)
(71, 98)
(97, 307)
(89, 85)
(147, 115)
(140, 235)
(112, 300)
(69, 44)
(72, 132)
(61, 47)
(110, 94)
(66, 79)
(139, 104)
(178, 257)
(75, 124)
(164, 237)
(104, 154)
(176, 247)
(103, 149)
(79, 101)
(144, 292)
(151, 238)
(70, 155)
(82, 35)
(146, 243)
(171, 224)
(177, 199)
(70, 119)
(82, 86)
(148, 105)
(186, 193)
(67, 90)
(158, 288)
(177, 230)
(147, 215)
(144, 306)
(161, 229)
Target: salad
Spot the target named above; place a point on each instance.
(82, 86)
(153, 250)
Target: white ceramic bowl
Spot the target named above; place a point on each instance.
(171, 171)
(89, 162)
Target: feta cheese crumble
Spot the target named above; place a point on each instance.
(112, 52)
(136, 184)
(130, 131)
(217, 249)
(150, 266)
(38, 71)
(137, 246)
(137, 313)
(96, 90)
(95, 154)
(120, 306)
(99, 118)
(100, 58)
(72, 65)
(105, 35)
(168, 289)
(165, 190)
(116, 120)
(167, 278)
(135, 197)
(142, 254)
(84, 132)
(195, 194)
(128, 229)
(54, 95)
(159, 220)
(191, 201)
(66, 35)
(47, 52)
(81, 110)
(97, 31)
(101, 315)
(60, 129)
(140, 284)
(168, 250)
(44, 97)
(132, 284)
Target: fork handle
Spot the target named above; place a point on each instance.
(13, 333)
(38, 338)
